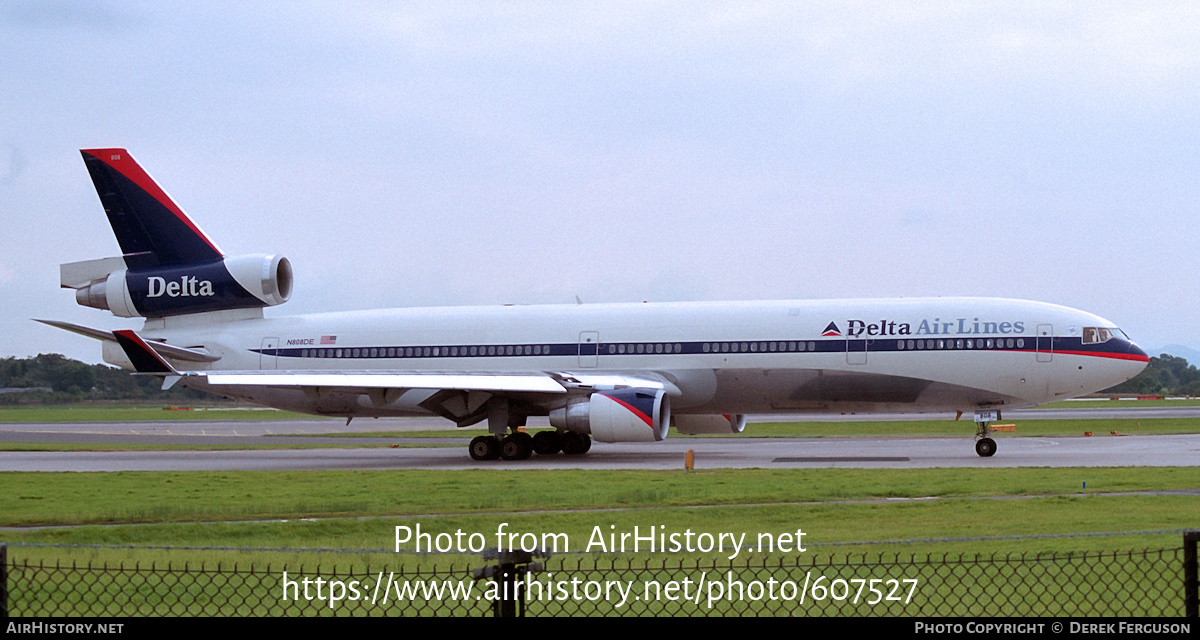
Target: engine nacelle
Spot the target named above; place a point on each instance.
(691, 425)
(239, 282)
(622, 415)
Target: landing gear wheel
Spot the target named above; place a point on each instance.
(546, 443)
(985, 447)
(484, 448)
(518, 446)
(574, 444)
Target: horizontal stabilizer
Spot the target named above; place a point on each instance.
(77, 275)
(168, 350)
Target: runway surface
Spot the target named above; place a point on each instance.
(743, 451)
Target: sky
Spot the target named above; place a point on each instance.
(408, 154)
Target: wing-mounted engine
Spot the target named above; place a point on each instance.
(239, 282)
(620, 415)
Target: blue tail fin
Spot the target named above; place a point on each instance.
(151, 229)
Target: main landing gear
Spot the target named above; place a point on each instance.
(520, 445)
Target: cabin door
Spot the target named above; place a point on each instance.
(1045, 343)
(589, 349)
(268, 358)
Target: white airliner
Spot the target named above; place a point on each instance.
(612, 372)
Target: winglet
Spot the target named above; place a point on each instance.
(143, 356)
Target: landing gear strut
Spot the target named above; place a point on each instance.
(499, 443)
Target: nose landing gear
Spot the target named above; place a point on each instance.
(984, 445)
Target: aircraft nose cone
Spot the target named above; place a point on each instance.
(1137, 352)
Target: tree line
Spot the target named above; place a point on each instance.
(1166, 375)
(54, 379)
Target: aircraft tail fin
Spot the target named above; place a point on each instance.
(151, 229)
(168, 267)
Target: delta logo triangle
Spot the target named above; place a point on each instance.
(832, 330)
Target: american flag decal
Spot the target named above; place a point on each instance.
(328, 339)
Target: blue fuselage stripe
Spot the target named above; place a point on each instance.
(1075, 346)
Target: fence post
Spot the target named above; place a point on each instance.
(3, 582)
(1191, 590)
(509, 577)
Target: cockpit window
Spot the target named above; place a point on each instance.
(1096, 335)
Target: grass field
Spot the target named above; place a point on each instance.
(142, 413)
(842, 510)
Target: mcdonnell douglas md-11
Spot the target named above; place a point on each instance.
(609, 372)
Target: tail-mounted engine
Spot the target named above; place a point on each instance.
(239, 282)
(622, 415)
(168, 266)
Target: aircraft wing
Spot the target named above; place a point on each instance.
(460, 396)
(351, 381)
(455, 395)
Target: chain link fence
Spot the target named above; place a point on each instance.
(1150, 582)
